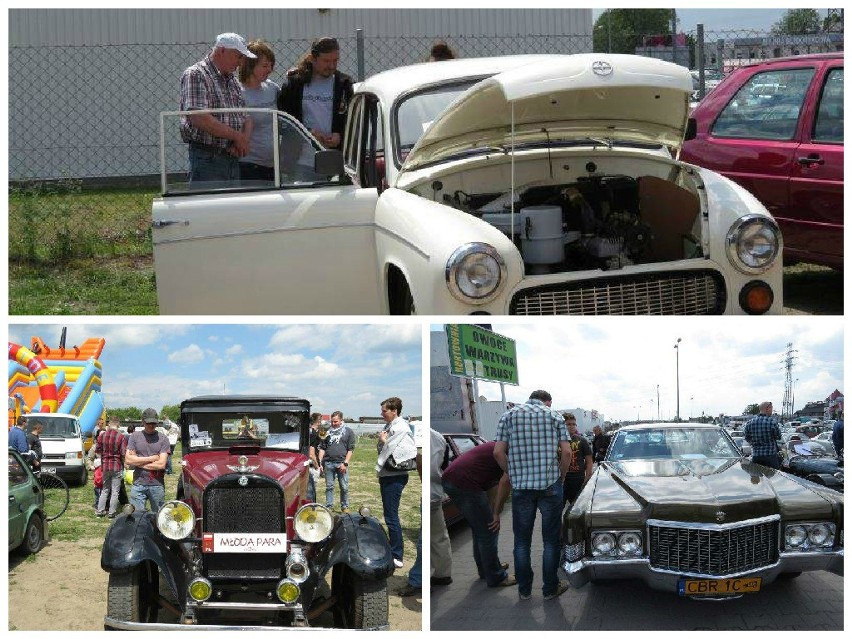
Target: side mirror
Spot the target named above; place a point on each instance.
(691, 129)
(328, 162)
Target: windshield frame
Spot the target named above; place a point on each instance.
(51, 418)
(269, 418)
(618, 443)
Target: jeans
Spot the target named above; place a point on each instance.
(331, 469)
(155, 493)
(111, 490)
(572, 486)
(439, 543)
(205, 166)
(474, 505)
(770, 461)
(391, 487)
(524, 505)
(312, 486)
(250, 172)
(415, 575)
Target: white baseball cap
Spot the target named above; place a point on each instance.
(233, 41)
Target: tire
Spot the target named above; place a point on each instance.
(33, 535)
(84, 476)
(56, 495)
(131, 595)
(361, 603)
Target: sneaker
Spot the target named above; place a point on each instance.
(561, 588)
(524, 597)
(508, 581)
(408, 591)
(440, 581)
(112, 515)
(505, 565)
(100, 513)
(345, 510)
(397, 563)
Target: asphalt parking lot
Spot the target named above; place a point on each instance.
(813, 601)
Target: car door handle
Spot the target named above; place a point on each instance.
(159, 224)
(811, 159)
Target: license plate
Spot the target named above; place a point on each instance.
(50, 470)
(711, 587)
(244, 542)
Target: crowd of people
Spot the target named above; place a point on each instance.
(237, 145)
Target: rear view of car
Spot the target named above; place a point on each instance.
(776, 128)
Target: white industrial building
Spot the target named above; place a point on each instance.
(86, 86)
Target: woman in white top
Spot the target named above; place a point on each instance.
(259, 92)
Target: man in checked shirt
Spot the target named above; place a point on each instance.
(762, 432)
(111, 445)
(216, 140)
(533, 446)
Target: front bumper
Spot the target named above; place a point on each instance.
(117, 624)
(581, 572)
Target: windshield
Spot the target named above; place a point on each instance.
(280, 430)
(417, 112)
(672, 443)
(55, 427)
(811, 448)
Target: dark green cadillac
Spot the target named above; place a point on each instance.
(677, 506)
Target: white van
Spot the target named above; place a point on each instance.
(62, 446)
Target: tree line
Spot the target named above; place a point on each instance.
(132, 412)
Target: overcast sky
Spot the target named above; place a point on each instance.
(351, 368)
(614, 365)
(725, 19)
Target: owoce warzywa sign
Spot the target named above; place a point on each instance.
(480, 353)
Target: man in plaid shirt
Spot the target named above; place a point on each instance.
(216, 141)
(533, 446)
(762, 432)
(111, 445)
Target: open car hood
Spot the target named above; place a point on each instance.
(567, 99)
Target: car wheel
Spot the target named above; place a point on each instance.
(131, 594)
(361, 603)
(33, 535)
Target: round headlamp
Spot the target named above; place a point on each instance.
(629, 543)
(753, 244)
(603, 543)
(313, 523)
(475, 273)
(175, 520)
(820, 535)
(200, 589)
(287, 591)
(795, 536)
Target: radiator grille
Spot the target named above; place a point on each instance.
(714, 552)
(678, 293)
(230, 508)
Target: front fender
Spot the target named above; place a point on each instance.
(361, 544)
(133, 539)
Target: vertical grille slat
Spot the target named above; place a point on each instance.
(700, 292)
(231, 508)
(713, 552)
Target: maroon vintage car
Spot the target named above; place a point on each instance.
(776, 127)
(240, 547)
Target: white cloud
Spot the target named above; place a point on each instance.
(234, 350)
(192, 354)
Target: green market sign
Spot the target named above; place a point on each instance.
(480, 353)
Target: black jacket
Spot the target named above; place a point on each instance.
(290, 99)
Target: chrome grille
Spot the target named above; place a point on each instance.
(231, 508)
(678, 293)
(713, 552)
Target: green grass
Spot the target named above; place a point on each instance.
(79, 521)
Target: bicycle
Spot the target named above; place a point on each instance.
(56, 493)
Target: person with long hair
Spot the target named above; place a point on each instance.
(260, 92)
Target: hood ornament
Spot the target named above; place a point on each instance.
(601, 68)
(243, 466)
(720, 516)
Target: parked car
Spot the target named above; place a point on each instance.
(814, 460)
(240, 546)
(776, 127)
(519, 185)
(457, 444)
(62, 445)
(677, 507)
(27, 522)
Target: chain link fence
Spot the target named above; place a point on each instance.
(84, 120)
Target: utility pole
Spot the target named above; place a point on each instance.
(787, 404)
(658, 402)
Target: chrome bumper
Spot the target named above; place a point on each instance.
(579, 573)
(117, 624)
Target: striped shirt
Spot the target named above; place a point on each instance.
(533, 432)
(203, 86)
(761, 432)
(112, 446)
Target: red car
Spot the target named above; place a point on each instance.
(776, 128)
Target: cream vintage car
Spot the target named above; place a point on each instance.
(522, 185)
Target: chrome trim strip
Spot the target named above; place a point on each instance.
(119, 624)
(282, 229)
(708, 526)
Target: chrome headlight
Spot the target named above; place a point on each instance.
(603, 544)
(175, 520)
(810, 536)
(630, 544)
(297, 567)
(475, 273)
(313, 523)
(753, 244)
(617, 544)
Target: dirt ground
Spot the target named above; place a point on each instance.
(63, 588)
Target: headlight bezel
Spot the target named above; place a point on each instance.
(457, 261)
(619, 548)
(736, 234)
(184, 527)
(298, 524)
(807, 530)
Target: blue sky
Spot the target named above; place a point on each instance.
(351, 368)
(614, 365)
